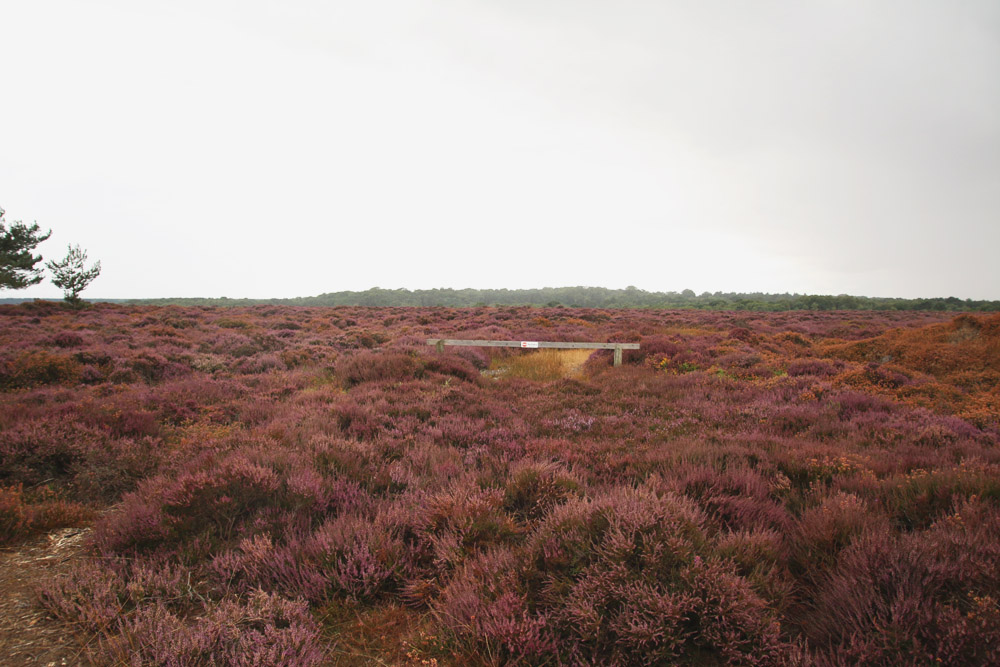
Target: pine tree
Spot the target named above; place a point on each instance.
(71, 274)
(17, 264)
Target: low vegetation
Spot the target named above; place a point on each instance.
(304, 486)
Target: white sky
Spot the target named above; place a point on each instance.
(278, 149)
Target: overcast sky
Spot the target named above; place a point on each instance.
(273, 149)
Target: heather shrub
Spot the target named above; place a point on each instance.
(233, 323)
(621, 579)
(851, 404)
(35, 367)
(452, 365)
(314, 495)
(760, 557)
(209, 363)
(296, 357)
(731, 623)
(874, 375)
(741, 334)
(213, 503)
(655, 347)
(737, 498)
(37, 308)
(367, 339)
(67, 339)
(232, 345)
(203, 508)
(599, 362)
(91, 598)
(47, 512)
(139, 525)
(24, 513)
(261, 630)
(634, 529)
(440, 530)
(743, 365)
(122, 420)
(917, 498)
(97, 595)
(685, 361)
(823, 531)
(907, 600)
(426, 466)
(111, 467)
(358, 556)
(14, 519)
(351, 413)
(510, 508)
(387, 365)
(153, 367)
(478, 357)
(965, 545)
(91, 374)
(260, 363)
(814, 367)
(38, 451)
(357, 462)
(259, 563)
(482, 607)
(534, 488)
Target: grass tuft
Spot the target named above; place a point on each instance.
(542, 365)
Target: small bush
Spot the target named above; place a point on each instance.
(14, 518)
(378, 367)
(652, 347)
(67, 339)
(260, 630)
(905, 600)
(20, 517)
(535, 488)
(39, 367)
(359, 557)
(814, 367)
(232, 323)
(205, 508)
(452, 365)
(621, 579)
(823, 531)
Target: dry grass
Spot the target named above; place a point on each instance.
(544, 365)
(389, 635)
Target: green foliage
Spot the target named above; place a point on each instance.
(599, 297)
(17, 264)
(71, 273)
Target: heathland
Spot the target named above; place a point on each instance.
(302, 486)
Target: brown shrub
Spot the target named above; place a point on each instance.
(37, 367)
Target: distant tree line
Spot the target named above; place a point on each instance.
(600, 297)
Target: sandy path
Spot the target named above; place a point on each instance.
(573, 361)
(27, 635)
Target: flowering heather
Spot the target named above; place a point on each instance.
(748, 488)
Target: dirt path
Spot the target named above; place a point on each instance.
(27, 635)
(573, 361)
